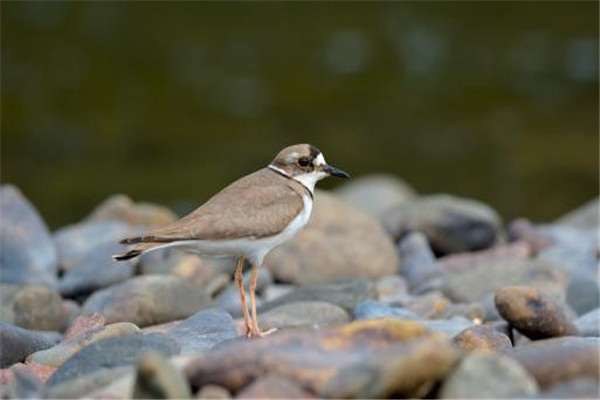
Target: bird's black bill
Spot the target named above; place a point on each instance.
(336, 172)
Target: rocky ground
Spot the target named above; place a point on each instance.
(385, 294)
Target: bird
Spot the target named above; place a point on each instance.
(247, 219)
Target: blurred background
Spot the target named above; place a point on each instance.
(169, 102)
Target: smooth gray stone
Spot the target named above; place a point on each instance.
(589, 323)
(17, 343)
(451, 327)
(202, 331)
(96, 270)
(82, 386)
(157, 378)
(371, 309)
(416, 258)
(21, 227)
(583, 293)
(110, 353)
(346, 293)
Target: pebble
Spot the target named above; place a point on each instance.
(213, 392)
(392, 289)
(157, 378)
(17, 343)
(83, 386)
(21, 226)
(339, 241)
(492, 376)
(363, 359)
(112, 352)
(148, 300)
(95, 271)
(371, 309)
(476, 283)
(376, 193)
(579, 388)
(346, 293)
(57, 355)
(202, 331)
(585, 216)
(75, 242)
(589, 323)
(583, 292)
(559, 359)
(482, 339)
(229, 299)
(429, 305)
(34, 307)
(317, 314)
(141, 215)
(450, 327)
(274, 386)
(417, 259)
(451, 224)
(532, 313)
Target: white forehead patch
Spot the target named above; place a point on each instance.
(319, 160)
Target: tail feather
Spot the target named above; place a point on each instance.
(127, 256)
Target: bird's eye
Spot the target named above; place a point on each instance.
(303, 162)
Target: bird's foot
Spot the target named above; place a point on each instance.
(256, 332)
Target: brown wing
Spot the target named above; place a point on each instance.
(258, 205)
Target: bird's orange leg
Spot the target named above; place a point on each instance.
(239, 282)
(255, 331)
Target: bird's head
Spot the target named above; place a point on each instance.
(306, 164)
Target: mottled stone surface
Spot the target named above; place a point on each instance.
(483, 340)
(534, 314)
(22, 226)
(39, 308)
(339, 241)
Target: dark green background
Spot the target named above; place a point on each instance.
(168, 102)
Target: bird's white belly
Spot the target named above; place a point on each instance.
(255, 249)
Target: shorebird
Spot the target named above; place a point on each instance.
(248, 218)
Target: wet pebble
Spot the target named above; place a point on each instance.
(202, 331)
(148, 300)
(482, 339)
(532, 313)
(20, 262)
(490, 376)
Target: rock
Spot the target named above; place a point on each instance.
(75, 242)
(417, 259)
(375, 193)
(559, 359)
(17, 343)
(451, 224)
(121, 388)
(364, 359)
(110, 353)
(582, 239)
(371, 309)
(140, 215)
(273, 386)
(26, 386)
(454, 263)
(429, 305)
(229, 299)
(588, 324)
(158, 378)
(314, 313)
(476, 283)
(38, 308)
(575, 260)
(7, 300)
(346, 293)
(202, 331)
(339, 241)
(82, 386)
(20, 262)
(84, 323)
(583, 388)
(213, 392)
(583, 293)
(482, 339)
(57, 355)
(450, 327)
(585, 216)
(481, 376)
(392, 289)
(532, 313)
(148, 300)
(277, 290)
(95, 271)
(523, 230)
(472, 311)
(72, 309)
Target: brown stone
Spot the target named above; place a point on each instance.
(144, 215)
(532, 313)
(84, 323)
(363, 359)
(339, 241)
(560, 359)
(482, 339)
(274, 386)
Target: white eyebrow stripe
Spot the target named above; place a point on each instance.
(320, 160)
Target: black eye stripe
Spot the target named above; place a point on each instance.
(303, 161)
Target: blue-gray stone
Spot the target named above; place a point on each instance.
(371, 309)
(28, 254)
(416, 258)
(17, 343)
(203, 330)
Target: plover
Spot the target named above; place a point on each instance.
(248, 218)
